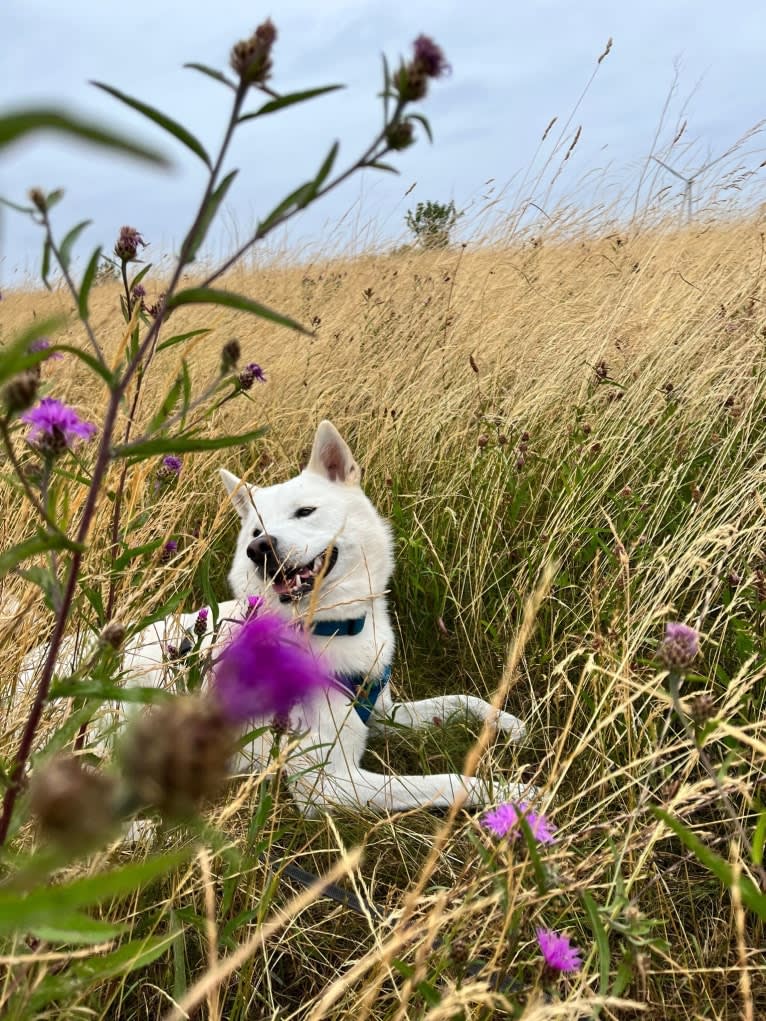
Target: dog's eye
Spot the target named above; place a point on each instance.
(256, 533)
(303, 512)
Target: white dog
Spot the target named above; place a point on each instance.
(315, 547)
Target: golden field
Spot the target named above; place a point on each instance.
(593, 408)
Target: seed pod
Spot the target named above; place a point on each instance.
(72, 804)
(175, 756)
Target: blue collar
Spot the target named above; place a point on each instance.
(331, 628)
(364, 690)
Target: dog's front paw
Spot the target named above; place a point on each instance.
(510, 725)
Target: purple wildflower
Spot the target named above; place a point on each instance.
(503, 821)
(430, 58)
(266, 669)
(679, 647)
(168, 470)
(200, 624)
(558, 951)
(169, 550)
(249, 375)
(56, 427)
(254, 603)
(126, 246)
(42, 344)
(139, 292)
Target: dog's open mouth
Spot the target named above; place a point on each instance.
(293, 583)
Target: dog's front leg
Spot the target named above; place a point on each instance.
(429, 712)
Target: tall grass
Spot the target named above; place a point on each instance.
(598, 405)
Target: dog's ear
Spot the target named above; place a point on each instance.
(238, 490)
(331, 456)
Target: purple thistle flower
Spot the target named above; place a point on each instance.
(430, 58)
(169, 550)
(139, 292)
(168, 471)
(558, 951)
(126, 246)
(679, 647)
(249, 375)
(42, 344)
(503, 821)
(266, 669)
(200, 624)
(56, 427)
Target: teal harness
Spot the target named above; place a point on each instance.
(364, 690)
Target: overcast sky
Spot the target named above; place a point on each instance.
(515, 66)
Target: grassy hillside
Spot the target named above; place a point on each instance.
(599, 406)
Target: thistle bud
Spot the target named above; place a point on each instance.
(400, 136)
(38, 200)
(21, 392)
(113, 635)
(72, 804)
(200, 624)
(702, 708)
(175, 756)
(230, 355)
(251, 58)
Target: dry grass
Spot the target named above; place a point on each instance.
(646, 489)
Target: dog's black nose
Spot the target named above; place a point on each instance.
(259, 549)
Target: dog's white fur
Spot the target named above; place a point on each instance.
(324, 766)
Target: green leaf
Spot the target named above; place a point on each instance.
(193, 240)
(217, 76)
(288, 100)
(541, 878)
(110, 692)
(87, 282)
(327, 165)
(166, 408)
(80, 975)
(140, 275)
(378, 165)
(16, 356)
(602, 941)
(299, 198)
(45, 268)
(422, 120)
(76, 927)
(54, 197)
(211, 296)
(20, 910)
(142, 449)
(17, 124)
(749, 892)
(32, 547)
(181, 337)
(758, 839)
(125, 558)
(88, 359)
(15, 206)
(65, 248)
(167, 123)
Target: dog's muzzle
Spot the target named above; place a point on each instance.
(290, 582)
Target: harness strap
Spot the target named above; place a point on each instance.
(365, 690)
